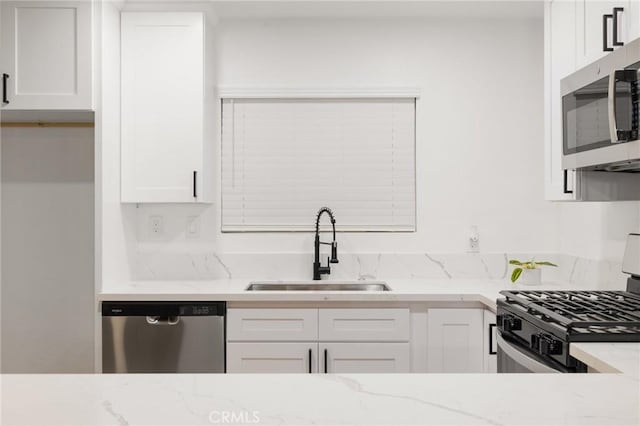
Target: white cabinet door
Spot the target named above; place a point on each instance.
(357, 324)
(455, 341)
(346, 358)
(590, 27)
(632, 20)
(490, 344)
(267, 357)
(46, 54)
(271, 324)
(560, 61)
(162, 107)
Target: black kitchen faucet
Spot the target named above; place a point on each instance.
(318, 270)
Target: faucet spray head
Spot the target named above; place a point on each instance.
(334, 252)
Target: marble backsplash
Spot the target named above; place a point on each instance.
(206, 265)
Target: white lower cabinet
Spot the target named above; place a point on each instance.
(490, 350)
(359, 340)
(310, 340)
(559, 61)
(364, 358)
(270, 357)
(455, 341)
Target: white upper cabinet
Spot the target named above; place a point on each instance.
(602, 26)
(632, 20)
(577, 32)
(559, 61)
(162, 140)
(47, 55)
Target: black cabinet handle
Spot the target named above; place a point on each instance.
(326, 360)
(5, 99)
(195, 183)
(566, 189)
(616, 12)
(605, 35)
(310, 356)
(491, 351)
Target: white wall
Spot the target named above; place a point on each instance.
(47, 256)
(116, 223)
(597, 230)
(479, 144)
(479, 125)
(479, 120)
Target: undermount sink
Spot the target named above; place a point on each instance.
(318, 286)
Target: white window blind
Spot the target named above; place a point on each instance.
(283, 159)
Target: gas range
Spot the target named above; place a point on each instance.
(541, 324)
(536, 327)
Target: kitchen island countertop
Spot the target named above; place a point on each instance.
(382, 399)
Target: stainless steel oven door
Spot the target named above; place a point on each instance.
(512, 359)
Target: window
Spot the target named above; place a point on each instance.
(283, 159)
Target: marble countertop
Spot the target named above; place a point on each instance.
(393, 399)
(614, 357)
(425, 290)
(611, 398)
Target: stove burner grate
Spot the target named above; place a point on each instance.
(582, 312)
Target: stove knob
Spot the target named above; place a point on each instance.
(546, 345)
(535, 342)
(511, 323)
(550, 346)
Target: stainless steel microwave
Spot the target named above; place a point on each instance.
(600, 113)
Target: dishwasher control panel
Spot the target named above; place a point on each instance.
(186, 309)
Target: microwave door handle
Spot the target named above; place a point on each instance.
(613, 125)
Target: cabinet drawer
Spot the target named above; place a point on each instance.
(272, 324)
(268, 357)
(364, 358)
(359, 325)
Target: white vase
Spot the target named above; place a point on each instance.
(530, 277)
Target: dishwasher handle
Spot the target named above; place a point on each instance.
(158, 320)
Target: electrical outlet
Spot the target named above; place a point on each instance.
(156, 226)
(193, 227)
(474, 240)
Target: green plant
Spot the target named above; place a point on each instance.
(532, 264)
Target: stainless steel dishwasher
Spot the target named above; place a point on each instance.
(163, 337)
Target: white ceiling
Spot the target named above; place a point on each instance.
(268, 9)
